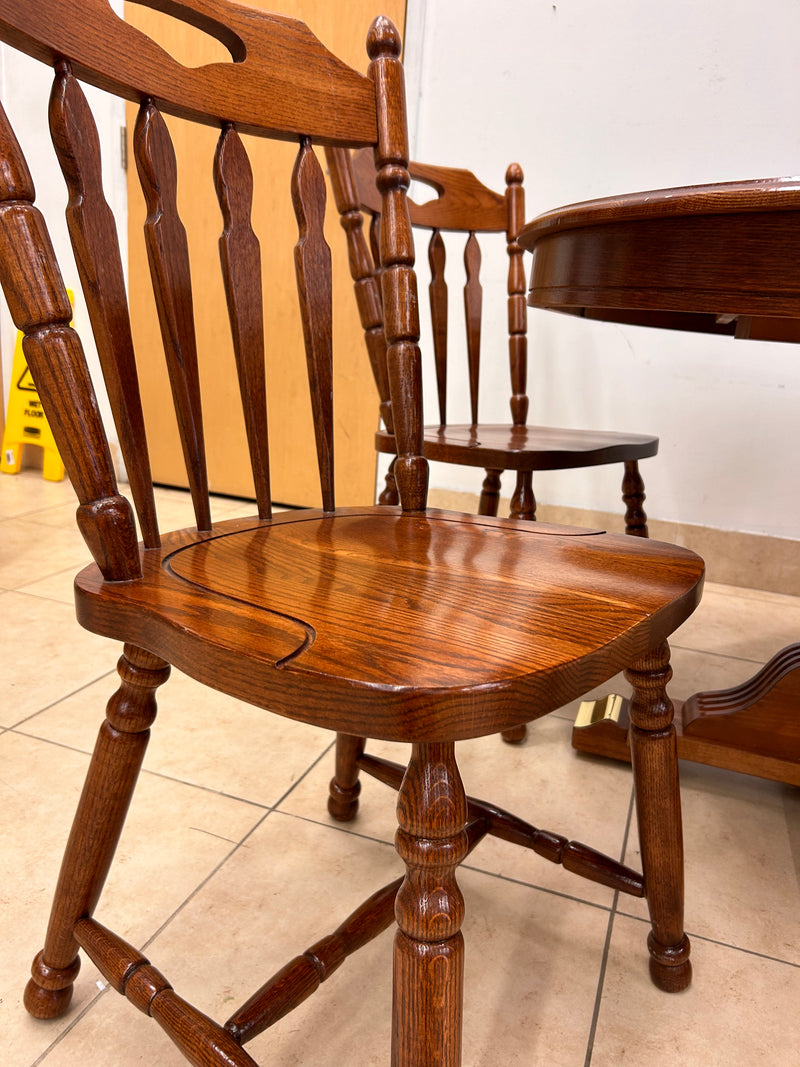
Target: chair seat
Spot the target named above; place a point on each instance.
(533, 448)
(395, 622)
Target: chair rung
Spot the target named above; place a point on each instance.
(575, 857)
(303, 975)
(200, 1039)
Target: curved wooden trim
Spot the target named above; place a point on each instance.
(258, 91)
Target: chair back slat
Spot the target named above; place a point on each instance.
(517, 304)
(312, 258)
(39, 305)
(281, 83)
(240, 256)
(168, 256)
(95, 243)
(463, 204)
(437, 293)
(363, 269)
(473, 311)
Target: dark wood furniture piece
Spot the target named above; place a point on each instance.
(464, 206)
(401, 623)
(714, 258)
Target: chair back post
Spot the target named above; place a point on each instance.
(364, 267)
(398, 281)
(517, 308)
(40, 308)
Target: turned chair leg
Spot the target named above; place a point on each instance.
(390, 494)
(633, 498)
(523, 502)
(96, 830)
(658, 807)
(429, 946)
(490, 493)
(345, 786)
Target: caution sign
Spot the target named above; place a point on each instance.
(26, 423)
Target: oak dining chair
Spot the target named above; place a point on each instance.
(462, 208)
(401, 623)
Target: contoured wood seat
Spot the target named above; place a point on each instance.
(462, 208)
(395, 622)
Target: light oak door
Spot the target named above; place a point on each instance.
(342, 27)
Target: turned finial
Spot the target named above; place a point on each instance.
(514, 175)
(383, 39)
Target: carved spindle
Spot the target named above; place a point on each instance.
(575, 857)
(200, 1039)
(312, 258)
(429, 946)
(437, 291)
(655, 760)
(490, 493)
(303, 975)
(40, 308)
(107, 793)
(523, 501)
(168, 256)
(473, 308)
(398, 281)
(345, 786)
(633, 497)
(375, 240)
(365, 272)
(240, 256)
(517, 308)
(93, 234)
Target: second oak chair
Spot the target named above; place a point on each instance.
(464, 205)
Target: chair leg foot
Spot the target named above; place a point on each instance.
(343, 803)
(670, 967)
(49, 991)
(515, 735)
(345, 786)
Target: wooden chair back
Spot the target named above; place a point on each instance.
(463, 205)
(281, 82)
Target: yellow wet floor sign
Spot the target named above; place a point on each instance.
(26, 423)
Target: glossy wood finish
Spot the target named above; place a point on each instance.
(464, 206)
(403, 623)
(713, 258)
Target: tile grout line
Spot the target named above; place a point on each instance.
(604, 964)
(694, 936)
(59, 700)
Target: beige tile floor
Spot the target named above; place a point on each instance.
(229, 865)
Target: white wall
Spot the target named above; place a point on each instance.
(597, 99)
(25, 89)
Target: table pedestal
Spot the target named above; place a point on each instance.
(753, 727)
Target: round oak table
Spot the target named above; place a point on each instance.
(720, 259)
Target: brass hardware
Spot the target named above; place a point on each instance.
(607, 709)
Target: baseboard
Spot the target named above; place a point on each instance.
(754, 561)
